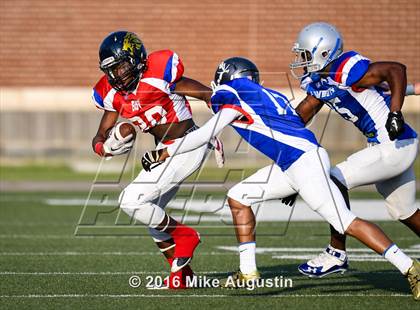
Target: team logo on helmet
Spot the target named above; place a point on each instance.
(131, 43)
(223, 68)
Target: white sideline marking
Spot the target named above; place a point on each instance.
(366, 255)
(79, 202)
(35, 224)
(105, 273)
(303, 253)
(23, 236)
(94, 253)
(74, 237)
(94, 273)
(195, 296)
(353, 258)
(269, 211)
(262, 250)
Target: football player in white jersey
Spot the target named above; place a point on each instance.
(350, 84)
(266, 120)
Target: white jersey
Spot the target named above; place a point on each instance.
(367, 108)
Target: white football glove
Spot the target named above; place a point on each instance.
(217, 145)
(117, 144)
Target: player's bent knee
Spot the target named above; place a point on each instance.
(401, 211)
(140, 209)
(159, 236)
(336, 173)
(237, 196)
(351, 229)
(147, 213)
(134, 195)
(337, 216)
(235, 204)
(339, 227)
(401, 204)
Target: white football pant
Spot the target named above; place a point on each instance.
(145, 198)
(310, 177)
(390, 167)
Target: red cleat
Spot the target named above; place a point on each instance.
(178, 280)
(186, 240)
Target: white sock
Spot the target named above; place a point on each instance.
(247, 257)
(340, 254)
(397, 257)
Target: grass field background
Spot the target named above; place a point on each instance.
(56, 171)
(44, 265)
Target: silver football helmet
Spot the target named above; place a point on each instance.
(317, 45)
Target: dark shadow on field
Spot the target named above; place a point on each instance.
(351, 282)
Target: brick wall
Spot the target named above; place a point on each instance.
(55, 42)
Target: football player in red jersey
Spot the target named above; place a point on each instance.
(150, 92)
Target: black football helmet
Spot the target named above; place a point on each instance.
(234, 68)
(122, 57)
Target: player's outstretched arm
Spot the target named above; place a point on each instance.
(308, 107)
(109, 118)
(192, 140)
(394, 74)
(192, 88)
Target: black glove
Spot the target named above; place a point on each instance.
(289, 200)
(151, 160)
(395, 124)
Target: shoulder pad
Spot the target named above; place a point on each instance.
(349, 68)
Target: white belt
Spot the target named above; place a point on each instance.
(370, 144)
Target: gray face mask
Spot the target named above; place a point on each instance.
(317, 45)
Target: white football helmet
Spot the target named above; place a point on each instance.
(317, 45)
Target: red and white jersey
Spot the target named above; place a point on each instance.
(153, 102)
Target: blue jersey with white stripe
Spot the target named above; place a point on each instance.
(269, 123)
(367, 108)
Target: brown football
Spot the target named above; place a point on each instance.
(126, 129)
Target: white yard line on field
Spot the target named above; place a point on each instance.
(75, 237)
(370, 209)
(263, 250)
(363, 253)
(36, 224)
(52, 236)
(94, 273)
(196, 296)
(116, 273)
(353, 258)
(70, 253)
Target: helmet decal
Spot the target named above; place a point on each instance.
(224, 67)
(336, 47)
(316, 46)
(131, 43)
